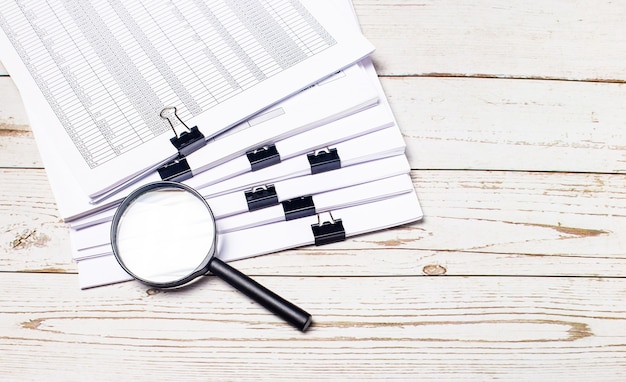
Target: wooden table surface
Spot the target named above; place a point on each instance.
(514, 114)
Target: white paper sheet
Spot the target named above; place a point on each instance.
(100, 80)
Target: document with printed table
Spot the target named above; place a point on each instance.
(333, 99)
(100, 72)
(341, 95)
(78, 211)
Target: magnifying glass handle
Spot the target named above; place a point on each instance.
(273, 302)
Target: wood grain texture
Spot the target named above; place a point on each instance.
(404, 328)
(500, 124)
(12, 113)
(32, 235)
(18, 149)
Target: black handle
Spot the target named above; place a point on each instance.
(273, 302)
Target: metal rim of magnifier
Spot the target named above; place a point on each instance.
(202, 268)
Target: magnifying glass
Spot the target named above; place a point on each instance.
(164, 235)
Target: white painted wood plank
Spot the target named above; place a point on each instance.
(579, 40)
(12, 113)
(17, 144)
(492, 124)
(424, 262)
(405, 328)
(18, 149)
(32, 235)
(524, 125)
(477, 223)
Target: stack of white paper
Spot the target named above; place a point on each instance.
(334, 145)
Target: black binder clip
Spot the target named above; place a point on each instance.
(324, 160)
(298, 207)
(186, 142)
(261, 197)
(330, 231)
(263, 157)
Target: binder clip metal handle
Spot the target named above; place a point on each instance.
(190, 139)
(186, 142)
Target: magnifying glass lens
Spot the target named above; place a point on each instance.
(165, 235)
